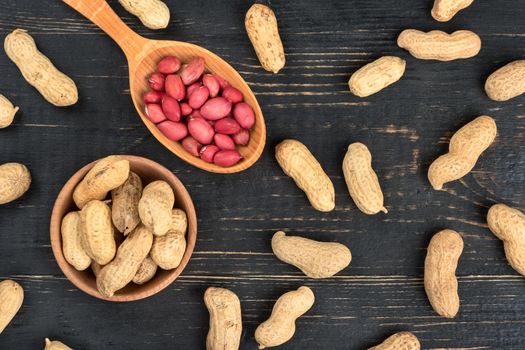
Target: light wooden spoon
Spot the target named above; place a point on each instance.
(144, 54)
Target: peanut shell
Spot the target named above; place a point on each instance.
(56, 87)
(280, 327)
(11, 299)
(130, 255)
(154, 14)
(72, 242)
(106, 175)
(465, 147)
(444, 10)
(125, 204)
(399, 341)
(441, 284)
(15, 180)
(225, 319)
(263, 31)
(146, 271)
(7, 112)
(507, 82)
(376, 76)
(508, 224)
(155, 207)
(298, 163)
(168, 250)
(438, 45)
(56, 345)
(362, 181)
(97, 233)
(315, 259)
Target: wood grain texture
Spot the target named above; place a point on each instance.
(406, 127)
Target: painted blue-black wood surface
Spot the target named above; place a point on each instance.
(405, 126)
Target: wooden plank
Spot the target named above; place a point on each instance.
(406, 127)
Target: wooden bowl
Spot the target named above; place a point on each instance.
(85, 280)
(144, 54)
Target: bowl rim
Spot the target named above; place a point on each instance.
(72, 274)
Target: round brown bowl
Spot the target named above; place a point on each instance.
(85, 280)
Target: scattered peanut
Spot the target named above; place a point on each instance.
(130, 255)
(298, 163)
(507, 82)
(15, 180)
(444, 10)
(106, 175)
(7, 112)
(155, 207)
(125, 204)
(280, 327)
(225, 319)
(263, 31)
(167, 251)
(97, 234)
(376, 76)
(465, 147)
(361, 180)
(146, 271)
(441, 284)
(11, 299)
(508, 224)
(154, 14)
(72, 242)
(315, 259)
(399, 341)
(438, 45)
(56, 345)
(56, 87)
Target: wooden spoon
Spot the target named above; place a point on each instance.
(144, 54)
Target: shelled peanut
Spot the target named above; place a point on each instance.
(7, 112)
(202, 111)
(297, 162)
(508, 224)
(15, 180)
(11, 299)
(112, 234)
(438, 45)
(280, 327)
(399, 341)
(444, 10)
(464, 149)
(441, 284)
(154, 14)
(56, 87)
(315, 259)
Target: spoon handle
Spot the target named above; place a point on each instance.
(100, 13)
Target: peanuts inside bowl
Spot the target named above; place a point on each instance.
(123, 228)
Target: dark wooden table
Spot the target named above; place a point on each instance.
(405, 127)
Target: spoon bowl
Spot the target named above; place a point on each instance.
(144, 54)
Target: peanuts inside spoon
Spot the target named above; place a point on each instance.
(144, 54)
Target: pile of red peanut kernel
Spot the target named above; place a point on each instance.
(202, 111)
